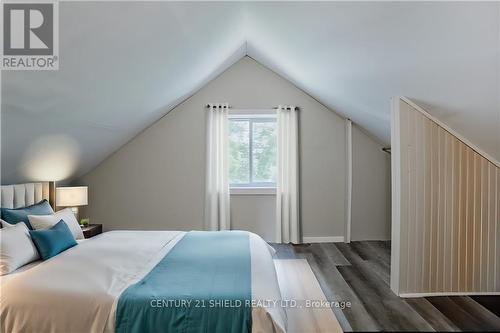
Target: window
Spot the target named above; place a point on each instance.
(252, 151)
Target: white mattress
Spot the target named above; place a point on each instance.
(64, 295)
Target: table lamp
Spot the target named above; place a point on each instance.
(72, 197)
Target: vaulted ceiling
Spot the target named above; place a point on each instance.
(125, 64)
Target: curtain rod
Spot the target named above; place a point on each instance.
(230, 107)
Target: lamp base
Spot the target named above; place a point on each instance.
(75, 211)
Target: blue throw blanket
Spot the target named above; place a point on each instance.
(202, 285)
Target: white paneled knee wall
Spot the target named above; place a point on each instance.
(446, 209)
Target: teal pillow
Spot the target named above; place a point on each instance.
(17, 215)
(53, 241)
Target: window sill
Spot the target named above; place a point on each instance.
(252, 191)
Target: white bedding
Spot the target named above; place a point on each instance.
(77, 290)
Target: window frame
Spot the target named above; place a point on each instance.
(255, 116)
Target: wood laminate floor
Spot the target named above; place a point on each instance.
(359, 273)
(297, 282)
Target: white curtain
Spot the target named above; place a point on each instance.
(287, 191)
(217, 177)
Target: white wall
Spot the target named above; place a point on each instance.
(156, 181)
(254, 213)
(371, 188)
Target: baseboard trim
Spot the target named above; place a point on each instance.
(454, 293)
(333, 239)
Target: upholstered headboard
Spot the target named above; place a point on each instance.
(21, 195)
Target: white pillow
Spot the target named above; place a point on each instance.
(40, 222)
(16, 248)
(6, 224)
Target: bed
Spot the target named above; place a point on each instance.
(139, 281)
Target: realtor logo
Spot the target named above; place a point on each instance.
(30, 36)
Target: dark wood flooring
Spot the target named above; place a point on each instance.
(359, 273)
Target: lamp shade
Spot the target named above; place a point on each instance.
(72, 196)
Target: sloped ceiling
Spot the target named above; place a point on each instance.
(123, 65)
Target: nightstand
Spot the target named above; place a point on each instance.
(92, 230)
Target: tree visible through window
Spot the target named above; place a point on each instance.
(252, 151)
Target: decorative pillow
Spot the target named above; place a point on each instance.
(16, 248)
(53, 241)
(17, 215)
(41, 222)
